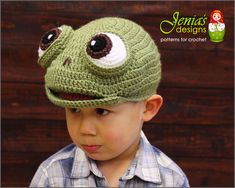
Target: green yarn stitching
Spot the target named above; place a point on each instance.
(135, 80)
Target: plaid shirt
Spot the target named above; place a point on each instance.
(70, 167)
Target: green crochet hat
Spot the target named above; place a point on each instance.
(105, 62)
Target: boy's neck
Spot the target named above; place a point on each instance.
(114, 168)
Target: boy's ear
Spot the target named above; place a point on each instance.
(152, 106)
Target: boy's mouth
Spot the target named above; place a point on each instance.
(91, 148)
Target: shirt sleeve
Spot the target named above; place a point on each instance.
(40, 178)
(180, 181)
(185, 183)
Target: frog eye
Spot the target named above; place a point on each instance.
(47, 39)
(53, 43)
(106, 50)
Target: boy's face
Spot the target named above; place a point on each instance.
(108, 132)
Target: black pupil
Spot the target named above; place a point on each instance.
(49, 37)
(100, 111)
(98, 44)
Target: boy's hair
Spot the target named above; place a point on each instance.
(105, 62)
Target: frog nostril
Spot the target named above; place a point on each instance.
(67, 61)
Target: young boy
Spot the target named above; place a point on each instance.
(105, 74)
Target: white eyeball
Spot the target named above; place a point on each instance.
(107, 50)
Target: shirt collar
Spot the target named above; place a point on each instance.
(83, 166)
(144, 165)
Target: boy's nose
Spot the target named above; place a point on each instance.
(87, 127)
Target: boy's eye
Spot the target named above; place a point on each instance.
(101, 111)
(75, 110)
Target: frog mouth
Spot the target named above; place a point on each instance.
(73, 96)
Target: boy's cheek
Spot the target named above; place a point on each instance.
(112, 136)
(116, 139)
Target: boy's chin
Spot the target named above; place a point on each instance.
(99, 156)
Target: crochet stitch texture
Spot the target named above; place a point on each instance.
(76, 77)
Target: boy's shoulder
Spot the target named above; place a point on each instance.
(169, 170)
(171, 175)
(55, 170)
(64, 155)
(165, 162)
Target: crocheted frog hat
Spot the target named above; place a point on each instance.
(105, 62)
